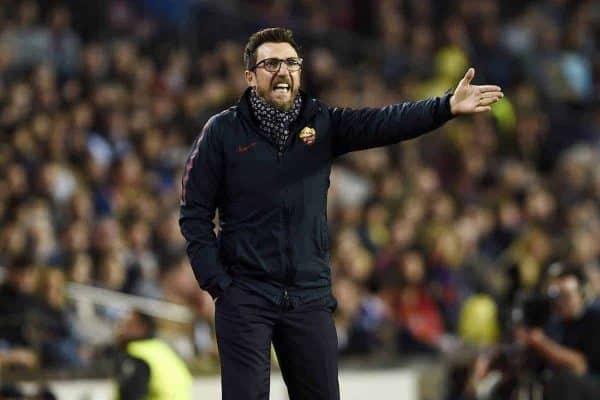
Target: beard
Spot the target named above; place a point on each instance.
(282, 101)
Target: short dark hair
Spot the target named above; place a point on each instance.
(571, 271)
(147, 322)
(559, 270)
(273, 35)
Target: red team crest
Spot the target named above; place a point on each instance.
(308, 134)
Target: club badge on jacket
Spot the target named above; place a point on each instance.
(308, 134)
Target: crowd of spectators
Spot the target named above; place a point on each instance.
(433, 241)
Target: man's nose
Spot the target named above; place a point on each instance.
(281, 70)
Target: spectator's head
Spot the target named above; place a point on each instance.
(80, 268)
(275, 81)
(347, 293)
(112, 271)
(76, 237)
(402, 233)
(95, 61)
(167, 234)
(509, 215)
(539, 205)
(107, 236)
(125, 54)
(568, 288)
(29, 13)
(13, 239)
(584, 246)
(61, 18)
(21, 274)
(81, 206)
(52, 287)
(16, 179)
(447, 249)
(139, 235)
(412, 268)
(177, 279)
(135, 325)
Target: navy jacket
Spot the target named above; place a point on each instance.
(272, 206)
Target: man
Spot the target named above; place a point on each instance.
(265, 164)
(574, 353)
(147, 368)
(19, 310)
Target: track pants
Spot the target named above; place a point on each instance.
(304, 338)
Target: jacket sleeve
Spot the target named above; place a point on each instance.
(133, 376)
(200, 188)
(373, 127)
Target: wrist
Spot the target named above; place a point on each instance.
(218, 286)
(452, 105)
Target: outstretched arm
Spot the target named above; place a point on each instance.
(373, 127)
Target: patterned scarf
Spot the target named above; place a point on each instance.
(273, 121)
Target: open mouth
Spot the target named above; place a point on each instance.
(282, 88)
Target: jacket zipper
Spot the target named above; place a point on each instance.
(295, 127)
(285, 302)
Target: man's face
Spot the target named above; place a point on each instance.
(266, 82)
(129, 328)
(569, 302)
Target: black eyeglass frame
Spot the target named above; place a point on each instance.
(298, 63)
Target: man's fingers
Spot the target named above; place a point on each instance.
(482, 108)
(489, 88)
(488, 101)
(490, 95)
(468, 76)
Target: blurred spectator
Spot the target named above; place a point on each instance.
(479, 321)
(58, 340)
(147, 365)
(18, 309)
(419, 319)
(363, 326)
(573, 354)
(112, 273)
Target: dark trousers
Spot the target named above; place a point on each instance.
(304, 338)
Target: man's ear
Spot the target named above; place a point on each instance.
(250, 78)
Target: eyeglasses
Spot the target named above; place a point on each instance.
(274, 64)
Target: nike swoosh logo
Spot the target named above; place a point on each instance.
(243, 149)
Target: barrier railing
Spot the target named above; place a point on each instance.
(88, 296)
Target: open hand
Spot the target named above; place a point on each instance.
(469, 99)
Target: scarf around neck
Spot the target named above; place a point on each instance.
(273, 121)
